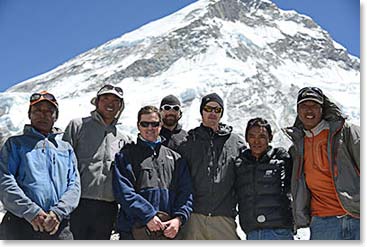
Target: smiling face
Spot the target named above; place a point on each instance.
(150, 133)
(258, 139)
(43, 115)
(310, 114)
(108, 105)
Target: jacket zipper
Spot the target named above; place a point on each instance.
(211, 173)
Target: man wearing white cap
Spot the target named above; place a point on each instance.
(96, 140)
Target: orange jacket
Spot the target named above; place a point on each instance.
(319, 180)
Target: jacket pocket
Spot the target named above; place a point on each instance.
(148, 177)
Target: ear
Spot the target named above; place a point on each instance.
(56, 115)
(180, 115)
(270, 138)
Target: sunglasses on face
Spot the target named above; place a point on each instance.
(170, 107)
(209, 108)
(110, 87)
(37, 96)
(145, 124)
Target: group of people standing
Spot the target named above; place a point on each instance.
(91, 180)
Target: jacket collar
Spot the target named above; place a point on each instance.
(206, 132)
(296, 134)
(177, 129)
(265, 157)
(323, 125)
(30, 130)
(154, 146)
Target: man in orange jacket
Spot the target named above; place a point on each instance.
(326, 161)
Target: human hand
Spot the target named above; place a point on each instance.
(172, 227)
(155, 224)
(51, 223)
(37, 222)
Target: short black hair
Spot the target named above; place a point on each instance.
(259, 122)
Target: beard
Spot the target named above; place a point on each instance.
(170, 121)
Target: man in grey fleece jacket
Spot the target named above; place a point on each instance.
(96, 140)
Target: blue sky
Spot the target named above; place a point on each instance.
(37, 36)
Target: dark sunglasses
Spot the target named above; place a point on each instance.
(110, 87)
(37, 96)
(170, 107)
(209, 108)
(145, 124)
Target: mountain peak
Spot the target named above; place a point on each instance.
(255, 55)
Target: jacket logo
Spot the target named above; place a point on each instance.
(268, 173)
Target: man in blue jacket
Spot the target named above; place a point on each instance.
(150, 178)
(39, 181)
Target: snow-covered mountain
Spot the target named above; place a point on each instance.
(252, 53)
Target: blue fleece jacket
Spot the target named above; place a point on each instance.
(148, 180)
(38, 172)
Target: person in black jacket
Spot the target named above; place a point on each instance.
(211, 150)
(263, 186)
(149, 178)
(172, 131)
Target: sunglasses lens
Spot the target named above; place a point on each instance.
(218, 110)
(49, 97)
(154, 124)
(166, 107)
(146, 124)
(35, 96)
(119, 90)
(176, 108)
(207, 108)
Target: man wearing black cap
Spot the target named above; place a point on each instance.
(211, 150)
(326, 162)
(172, 131)
(39, 180)
(96, 140)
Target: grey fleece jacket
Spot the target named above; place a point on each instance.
(95, 145)
(344, 162)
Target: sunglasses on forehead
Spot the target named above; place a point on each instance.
(110, 87)
(145, 124)
(170, 107)
(209, 108)
(38, 96)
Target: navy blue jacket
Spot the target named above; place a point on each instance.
(148, 180)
